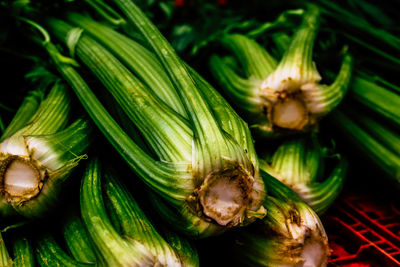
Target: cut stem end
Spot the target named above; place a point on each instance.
(290, 113)
(314, 254)
(225, 196)
(21, 179)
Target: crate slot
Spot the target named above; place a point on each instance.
(371, 236)
(395, 229)
(372, 215)
(388, 221)
(359, 227)
(385, 246)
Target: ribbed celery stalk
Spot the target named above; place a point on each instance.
(378, 98)
(290, 235)
(37, 159)
(24, 113)
(198, 176)
(279, 98)
(50, 254)
(77, 239)
(378, 142)
(130, 52)
(42, 79)
(23, 253)
(371, 121)
(299, 163)
(377, 40)
(127, 248)
(211, 147)
(136, 57)
(133, 223)
(185, 249)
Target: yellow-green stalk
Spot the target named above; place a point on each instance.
(299, 163)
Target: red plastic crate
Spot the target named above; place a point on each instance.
(363, 232)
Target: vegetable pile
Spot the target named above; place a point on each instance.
(133, 149)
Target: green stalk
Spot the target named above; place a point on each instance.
(38, 158)
(228, 120)
(152, 117)
(211, 146)
(106, 12)
(42, 79)
(377, 98)
(237, 88)
(78, 241)
(372, 138)
(185, 249)
(5, 259)
(157, 174)
(290, 235)
(349, 18)
(131, 52)
(23, 253)
(52, 114)
(299, 163)
(50, 254)
(24, 113)
(172, 137)
(136, 57)
(134, 224)
(116, 250)
(279, 98)
(254, 59)
(387, 136)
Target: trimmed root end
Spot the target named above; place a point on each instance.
(225, 195)
(21, 179)
(290, 113)
(314, 254)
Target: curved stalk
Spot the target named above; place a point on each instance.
(116, 249)
(299, 163)
(49, 254)
(23, 253)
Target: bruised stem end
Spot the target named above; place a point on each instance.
(225, 196)
(21, 179)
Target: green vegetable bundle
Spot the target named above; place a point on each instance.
(279, 98)
(205, 167)
(38, 152)
(121, 232)
(291, 234)
(194, 154)
(300, 164)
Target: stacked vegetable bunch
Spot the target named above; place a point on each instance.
(193, 154)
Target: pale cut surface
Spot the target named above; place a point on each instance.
(20, 178)
(225, 196)
(290, 114)
(314, 255)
